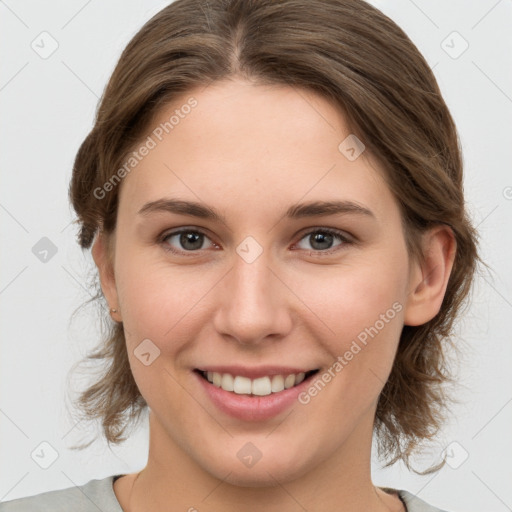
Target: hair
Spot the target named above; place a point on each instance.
(349, 53)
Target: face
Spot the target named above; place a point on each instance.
(266, 286)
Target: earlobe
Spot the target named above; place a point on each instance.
(102, 257)
(429, 279)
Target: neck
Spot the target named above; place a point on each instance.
(341, 482)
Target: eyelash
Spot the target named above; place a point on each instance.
(338, 234)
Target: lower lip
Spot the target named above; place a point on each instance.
(250, 407)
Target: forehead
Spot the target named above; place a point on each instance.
(254, 144)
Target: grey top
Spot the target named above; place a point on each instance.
(99, 495)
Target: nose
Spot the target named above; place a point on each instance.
(253, 304)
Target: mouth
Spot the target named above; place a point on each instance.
(258, 387)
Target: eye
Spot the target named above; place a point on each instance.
(190, 240)
(321, 240)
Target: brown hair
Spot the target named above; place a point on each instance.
(350, 53)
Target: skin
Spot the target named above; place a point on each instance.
(241, 152)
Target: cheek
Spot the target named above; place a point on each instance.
(349, 298)
(360, 308)
(162, 303)
(151, 298)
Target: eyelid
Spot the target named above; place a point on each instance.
(325, 229)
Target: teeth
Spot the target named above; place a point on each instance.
(241, 386)
(227, 382)
(261, 387)
(216, 379)
(289, 381)
(277, 383)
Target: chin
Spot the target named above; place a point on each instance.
(268, 471)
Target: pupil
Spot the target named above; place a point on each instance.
(192, 238)
(322, 237)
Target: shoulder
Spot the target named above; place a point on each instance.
(415, 504)
(93, 496)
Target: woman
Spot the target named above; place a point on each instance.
(272, 192)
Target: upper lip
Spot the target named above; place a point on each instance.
(255, 372)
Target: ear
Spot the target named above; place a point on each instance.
(103, 257)
(428, 280)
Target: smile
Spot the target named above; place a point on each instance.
(262, 386)
(252, 400)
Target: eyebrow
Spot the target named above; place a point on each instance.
(297, 211)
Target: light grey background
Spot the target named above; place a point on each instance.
(47, 108)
